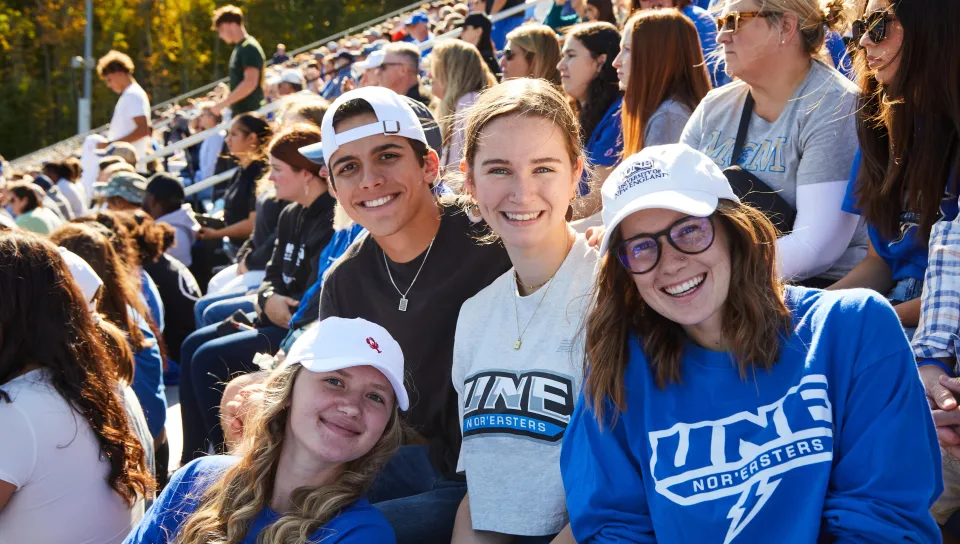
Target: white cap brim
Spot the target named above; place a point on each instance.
(693, 203)
(330, 364)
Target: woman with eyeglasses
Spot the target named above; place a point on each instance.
(721, 405)
(532, 50)
(786, 131)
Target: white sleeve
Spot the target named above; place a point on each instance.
(821, 231)
(18, 456)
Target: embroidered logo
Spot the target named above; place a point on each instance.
(534, 404)
(742, 455)
(373, 345)
(638, 173)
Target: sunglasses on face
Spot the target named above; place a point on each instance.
(689, 235)
(874, 24)
(731, 21)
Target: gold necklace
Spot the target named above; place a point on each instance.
(520, 333)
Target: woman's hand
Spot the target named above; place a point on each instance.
(206, 233)
(595, 235)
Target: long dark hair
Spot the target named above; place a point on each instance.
(29, 192)
(909, 129)
(605, 13)
(604, 90)
(254, 123)
(44, 321)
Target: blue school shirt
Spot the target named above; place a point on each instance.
(707, 31)
(605, 145)
(834, 444)
(906, 255)
(148, 377)
(359, 523)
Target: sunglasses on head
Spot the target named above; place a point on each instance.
(731, 21)
(874, 24)
(689, 235)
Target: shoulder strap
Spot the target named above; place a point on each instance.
(742, 130)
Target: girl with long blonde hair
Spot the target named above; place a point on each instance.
(533, 50)
(721, 405)
(459, 74)
(329, 421)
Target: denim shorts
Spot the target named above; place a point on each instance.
(905, 289)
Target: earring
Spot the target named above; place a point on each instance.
(473, 213)
(569, 215)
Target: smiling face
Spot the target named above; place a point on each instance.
(622, 62)
(751, 51)
(524, 183)
(338, 416)
(379, 181)
(578, 68)
(514, 64)
(689, 290)
(883, 58)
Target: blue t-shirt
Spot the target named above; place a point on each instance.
(360, 523)
(150, 295)
(707, 30)
(906, 255)
(148, 377)
(605, 145)
(834, 444)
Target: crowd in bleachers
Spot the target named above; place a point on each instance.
(648, 271)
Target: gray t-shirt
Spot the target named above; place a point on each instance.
(666, 124)
(515, 403)
(813, 141)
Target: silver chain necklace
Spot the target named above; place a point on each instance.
(403, 296)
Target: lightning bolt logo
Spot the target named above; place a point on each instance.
(739, 515)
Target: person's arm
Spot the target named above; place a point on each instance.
(6, 491)
(259, 255)
(278, 307)
(884, 418)
(497, 6)
(142, 130)
(463, 532)
(250, 82)
(909, 313)
(606, 499)
(18, 456)
(210, 152)
(870, 273)
(240, 229)
(821, 231)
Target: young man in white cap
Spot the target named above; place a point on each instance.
(411, 274)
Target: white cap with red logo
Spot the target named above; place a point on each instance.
(337, 343)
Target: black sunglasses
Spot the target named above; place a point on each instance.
(689, 235)
(874, 24)
(731, 21)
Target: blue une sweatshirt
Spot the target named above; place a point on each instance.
(834, 444)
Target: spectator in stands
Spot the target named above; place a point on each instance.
(458, 74)
(532, 50)
(246, 140)
(663, 77)
(475, 30)
(71, 469)
(340, 74)
(799, 137)
(125, 151)
(124, 192)
(52, 199)
(131, 116)
(291, 81)
(280, 55)
(587, 11)
(700, 334)
(706, 26)
(400, 71)
(308, 109)
(26, 204)
(329, 423)
(212, 147)
(164, 200)
(311, 76)
(417, 30)
(246, 62)
(304, 229)
(63, 173)
(523, 138)
(590, 80)
(369, 69)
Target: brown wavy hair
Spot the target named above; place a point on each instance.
(897, 123)
(666, 63)
(238, 496)
(44, 321)
(753, 321)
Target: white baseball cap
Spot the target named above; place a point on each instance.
(394, 118)
(337, 343)
(292, 77)
(673, 177)
(374, 60)
(84, 276)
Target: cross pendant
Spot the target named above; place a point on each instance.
(517, 345)
(403, 304)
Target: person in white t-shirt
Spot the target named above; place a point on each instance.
(131, 116)
(518, 354)
(71, 469)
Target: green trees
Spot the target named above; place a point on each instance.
(170, 41)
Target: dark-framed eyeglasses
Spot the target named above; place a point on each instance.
(688, 235)
(731, 21)
(874, 24)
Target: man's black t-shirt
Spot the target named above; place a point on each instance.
(246, 54)
(241, 196)
(456, 269)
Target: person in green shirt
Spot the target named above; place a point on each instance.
(26, 201)
(246, 62)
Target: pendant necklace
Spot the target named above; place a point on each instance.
(403, 296)
(546, 291)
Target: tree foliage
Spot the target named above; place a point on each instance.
(171, 42)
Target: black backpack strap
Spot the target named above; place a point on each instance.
(742, 130)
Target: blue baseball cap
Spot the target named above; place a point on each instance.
(416, 18)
